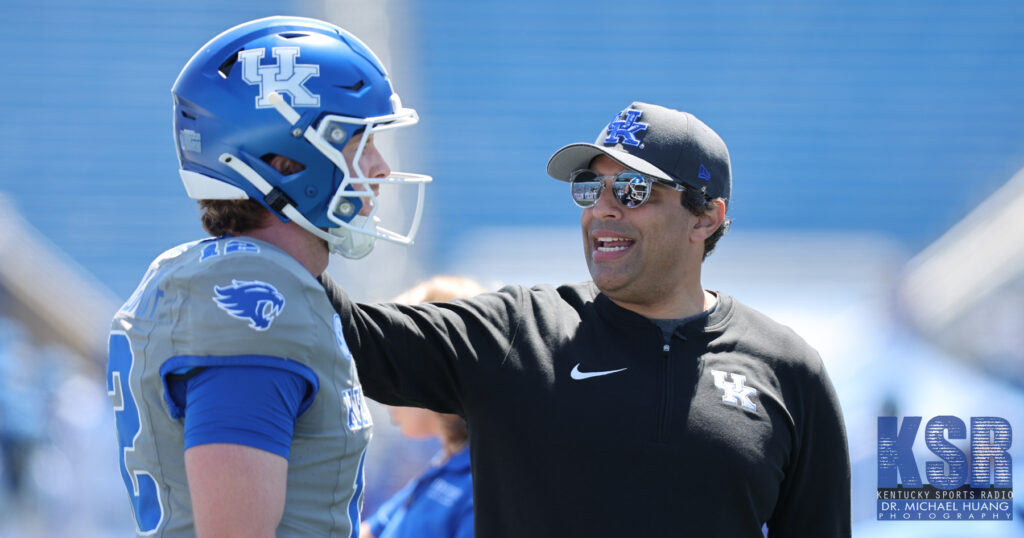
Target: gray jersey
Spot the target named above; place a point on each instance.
(236, 301)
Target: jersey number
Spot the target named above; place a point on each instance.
(142, 489)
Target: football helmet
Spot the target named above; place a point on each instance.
(636, 191)
(298, 88)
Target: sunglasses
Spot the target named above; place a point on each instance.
(631, 189)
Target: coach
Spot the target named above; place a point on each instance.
(638, 404)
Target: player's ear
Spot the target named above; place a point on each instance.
(709, 222)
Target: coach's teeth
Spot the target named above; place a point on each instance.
(621, 243)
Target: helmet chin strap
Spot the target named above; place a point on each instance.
(352, 245)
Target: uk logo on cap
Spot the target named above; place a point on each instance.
(624, 130)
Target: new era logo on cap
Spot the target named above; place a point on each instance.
(703, 173)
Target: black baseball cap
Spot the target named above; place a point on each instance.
(657, 141)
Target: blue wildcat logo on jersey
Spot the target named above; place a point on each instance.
(253, 300)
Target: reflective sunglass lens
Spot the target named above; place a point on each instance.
(630, 189)
(586, 193)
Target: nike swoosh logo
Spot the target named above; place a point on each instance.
(577, 374)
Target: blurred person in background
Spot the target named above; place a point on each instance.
(637, 404)
(439, 502)
(238, 409)
(26, 390)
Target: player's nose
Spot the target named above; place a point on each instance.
(372, 164)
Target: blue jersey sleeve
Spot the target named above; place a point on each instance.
(245, 405)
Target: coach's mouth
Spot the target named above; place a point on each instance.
(609, 246)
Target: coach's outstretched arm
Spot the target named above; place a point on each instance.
(433, 355)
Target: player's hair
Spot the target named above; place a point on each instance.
(695, 202)
(236, 217)
(444, 288)
(231, 217)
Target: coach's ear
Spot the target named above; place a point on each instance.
(709, 222)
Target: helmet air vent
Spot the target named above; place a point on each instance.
(354, 87)
(283, 164)
(225, 68)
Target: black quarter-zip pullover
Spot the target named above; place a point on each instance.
(584, 422)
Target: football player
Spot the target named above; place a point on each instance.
(239, 411)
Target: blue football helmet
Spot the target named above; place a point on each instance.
(299, 88)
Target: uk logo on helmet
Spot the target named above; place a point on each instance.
(286, 77)
(251, 300)
(624, 130)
